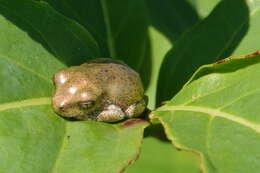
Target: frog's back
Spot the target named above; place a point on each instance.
(121, 85)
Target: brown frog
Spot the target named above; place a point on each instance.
(103, 90)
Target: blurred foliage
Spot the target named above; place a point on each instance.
(160, 156)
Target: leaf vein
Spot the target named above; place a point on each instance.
(214, 113)
(61, 150)
(26, 68)
(25, 103)
(239, 98)
(207, 94)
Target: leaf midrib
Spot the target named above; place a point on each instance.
(26, 68)
(36, 102)
(25, 103)
(214, 113)
(60, 151)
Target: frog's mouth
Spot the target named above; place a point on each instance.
(81, 110)
(75, 114)
(92, 115)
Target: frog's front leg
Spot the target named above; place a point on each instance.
(111, 114)
(135, 109)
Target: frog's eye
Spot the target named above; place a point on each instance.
(87, 104)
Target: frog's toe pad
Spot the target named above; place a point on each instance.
(135, 109)
(111, 114)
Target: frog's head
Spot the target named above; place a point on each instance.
(75, 95)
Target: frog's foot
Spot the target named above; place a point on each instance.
(135, 109)
(111, 114)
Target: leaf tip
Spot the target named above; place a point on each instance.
(232, 57)
(253, 54)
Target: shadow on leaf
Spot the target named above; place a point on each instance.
(65, 39)
(214, 38)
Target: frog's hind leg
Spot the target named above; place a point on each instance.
(112, 113)
(135, 109)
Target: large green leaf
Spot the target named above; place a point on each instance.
(171, 17)
(217, 115)
(203, 7)
(120, 27)
(250, 40)
(32, 137)
(160, 156)
(216, 37)
(159, 47)
(64, 38)
(89, 14)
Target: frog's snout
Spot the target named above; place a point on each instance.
(67, 107)
(59, 106)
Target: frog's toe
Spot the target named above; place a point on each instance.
(113, 113)
(135, 109)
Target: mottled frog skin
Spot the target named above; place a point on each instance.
(101, 90)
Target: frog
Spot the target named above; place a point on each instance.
(102, 89)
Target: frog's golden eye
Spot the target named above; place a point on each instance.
(86, 104)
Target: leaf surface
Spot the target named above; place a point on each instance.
(214, 38)
(34, 139)
(159, 47)
(172, 17)
(35, 42)
(249, 42)
(173, 160)
(64, 38)
(216, 114)
(204, 7)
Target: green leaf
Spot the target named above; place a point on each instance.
(249, 42)
(120, 27)
(32, 137)
(216, 37)
(65, 39)
(166, 28)
(159, 47)
(89, 14)
(204, 7)
(172, 17)
(160, 156)
(217, 115)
